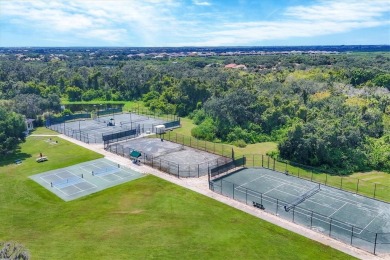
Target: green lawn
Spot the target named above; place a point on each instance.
(43, 131)
(146, 218)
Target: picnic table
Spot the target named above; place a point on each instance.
(41, 159)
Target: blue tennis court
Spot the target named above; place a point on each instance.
(79, 180)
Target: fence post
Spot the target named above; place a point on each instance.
(233, 190)
(274, 165)
(376, 236)
(311, 178)
(330, 226)
(286, 166)
(311, 219)
(246, 196)
(341, 183)
(261, 198)
(351, 235)
(178, 170)
(198, 170)
(357, 186)
(293, 214)
(326, 178)
(262, 161)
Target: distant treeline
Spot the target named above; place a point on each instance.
(329, 111)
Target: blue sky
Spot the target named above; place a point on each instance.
(193, 22)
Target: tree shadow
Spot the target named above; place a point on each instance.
(12, 157)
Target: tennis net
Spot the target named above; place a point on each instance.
(302, 198)
(67, 182)
(106, 171)
(102, 120)
(133, 121)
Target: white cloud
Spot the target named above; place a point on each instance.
(340, 11)
(202, 3)
(103, 20)
(323, 18)
(170, 22)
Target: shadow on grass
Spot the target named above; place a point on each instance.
(11, 158)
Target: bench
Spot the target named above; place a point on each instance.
(18, 161)
(41, 159)
(258, 205)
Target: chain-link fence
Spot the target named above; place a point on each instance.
(353, 235)
(180, 170)
(355, 185)
(214, 148)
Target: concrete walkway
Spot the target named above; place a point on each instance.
(200, 185)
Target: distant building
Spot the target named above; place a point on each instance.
(29, 125)
(235, 66)
(230, 66)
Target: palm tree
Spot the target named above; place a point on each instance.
(13, 251)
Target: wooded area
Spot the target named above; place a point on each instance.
(325, 110)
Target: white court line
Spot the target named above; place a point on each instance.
(337, 198)
(332, 194)
(101, 177)
(293, 184)
(338, 209)
(103, 168)
(251, 181)
(51, 174)
(309, 215)
(296, 196)
(80, 190)
(349, 201)
(276, 188)
(370, 222)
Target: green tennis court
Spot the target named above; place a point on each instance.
(358, 220)
(85, 178)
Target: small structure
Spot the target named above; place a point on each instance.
(134, 155)
(29, 125)
(160, 129)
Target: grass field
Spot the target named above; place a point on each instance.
(146, 218)
(43, 131)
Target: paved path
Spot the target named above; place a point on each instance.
(200, 185)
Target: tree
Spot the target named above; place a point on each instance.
(74, 93)
(30, 105)
(12, 127)
(14, 251)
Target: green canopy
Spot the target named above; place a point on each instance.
(135, 154)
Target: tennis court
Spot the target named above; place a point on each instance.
(79, 180)
(130, 121)
(173, 158)
(91, 131)
(343, 215)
